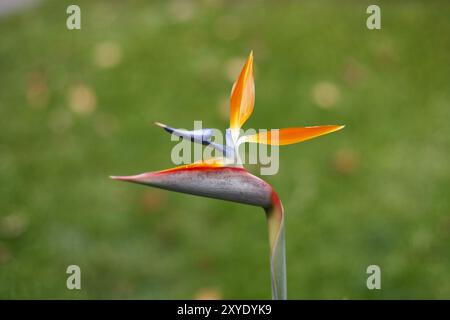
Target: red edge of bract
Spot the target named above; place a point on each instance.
(276, 202)
(198, 168)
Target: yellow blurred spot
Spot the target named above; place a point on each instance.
(384, 52)
(107, 54)
(82, 99)
(325, 94)
(208, 294)
(5, 254)
(13, 225)
(346, 161)
(37, 90)
(153, 200)
(354, 73)
(181, 10)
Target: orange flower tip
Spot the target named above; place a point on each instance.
(250, 60)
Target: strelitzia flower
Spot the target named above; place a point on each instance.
(224, 178)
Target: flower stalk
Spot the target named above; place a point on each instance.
(220, 178)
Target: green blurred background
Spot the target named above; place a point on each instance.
(77, 106)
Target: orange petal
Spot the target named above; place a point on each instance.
(242, 96)
(202, 164)
(291, 135)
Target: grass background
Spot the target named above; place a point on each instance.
(375, 193)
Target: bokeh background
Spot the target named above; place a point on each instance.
(77, 106)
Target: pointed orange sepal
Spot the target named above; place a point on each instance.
(291, 135)
(242, 98)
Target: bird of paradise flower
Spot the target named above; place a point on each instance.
(224, 178)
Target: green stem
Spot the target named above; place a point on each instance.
(275, 222)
